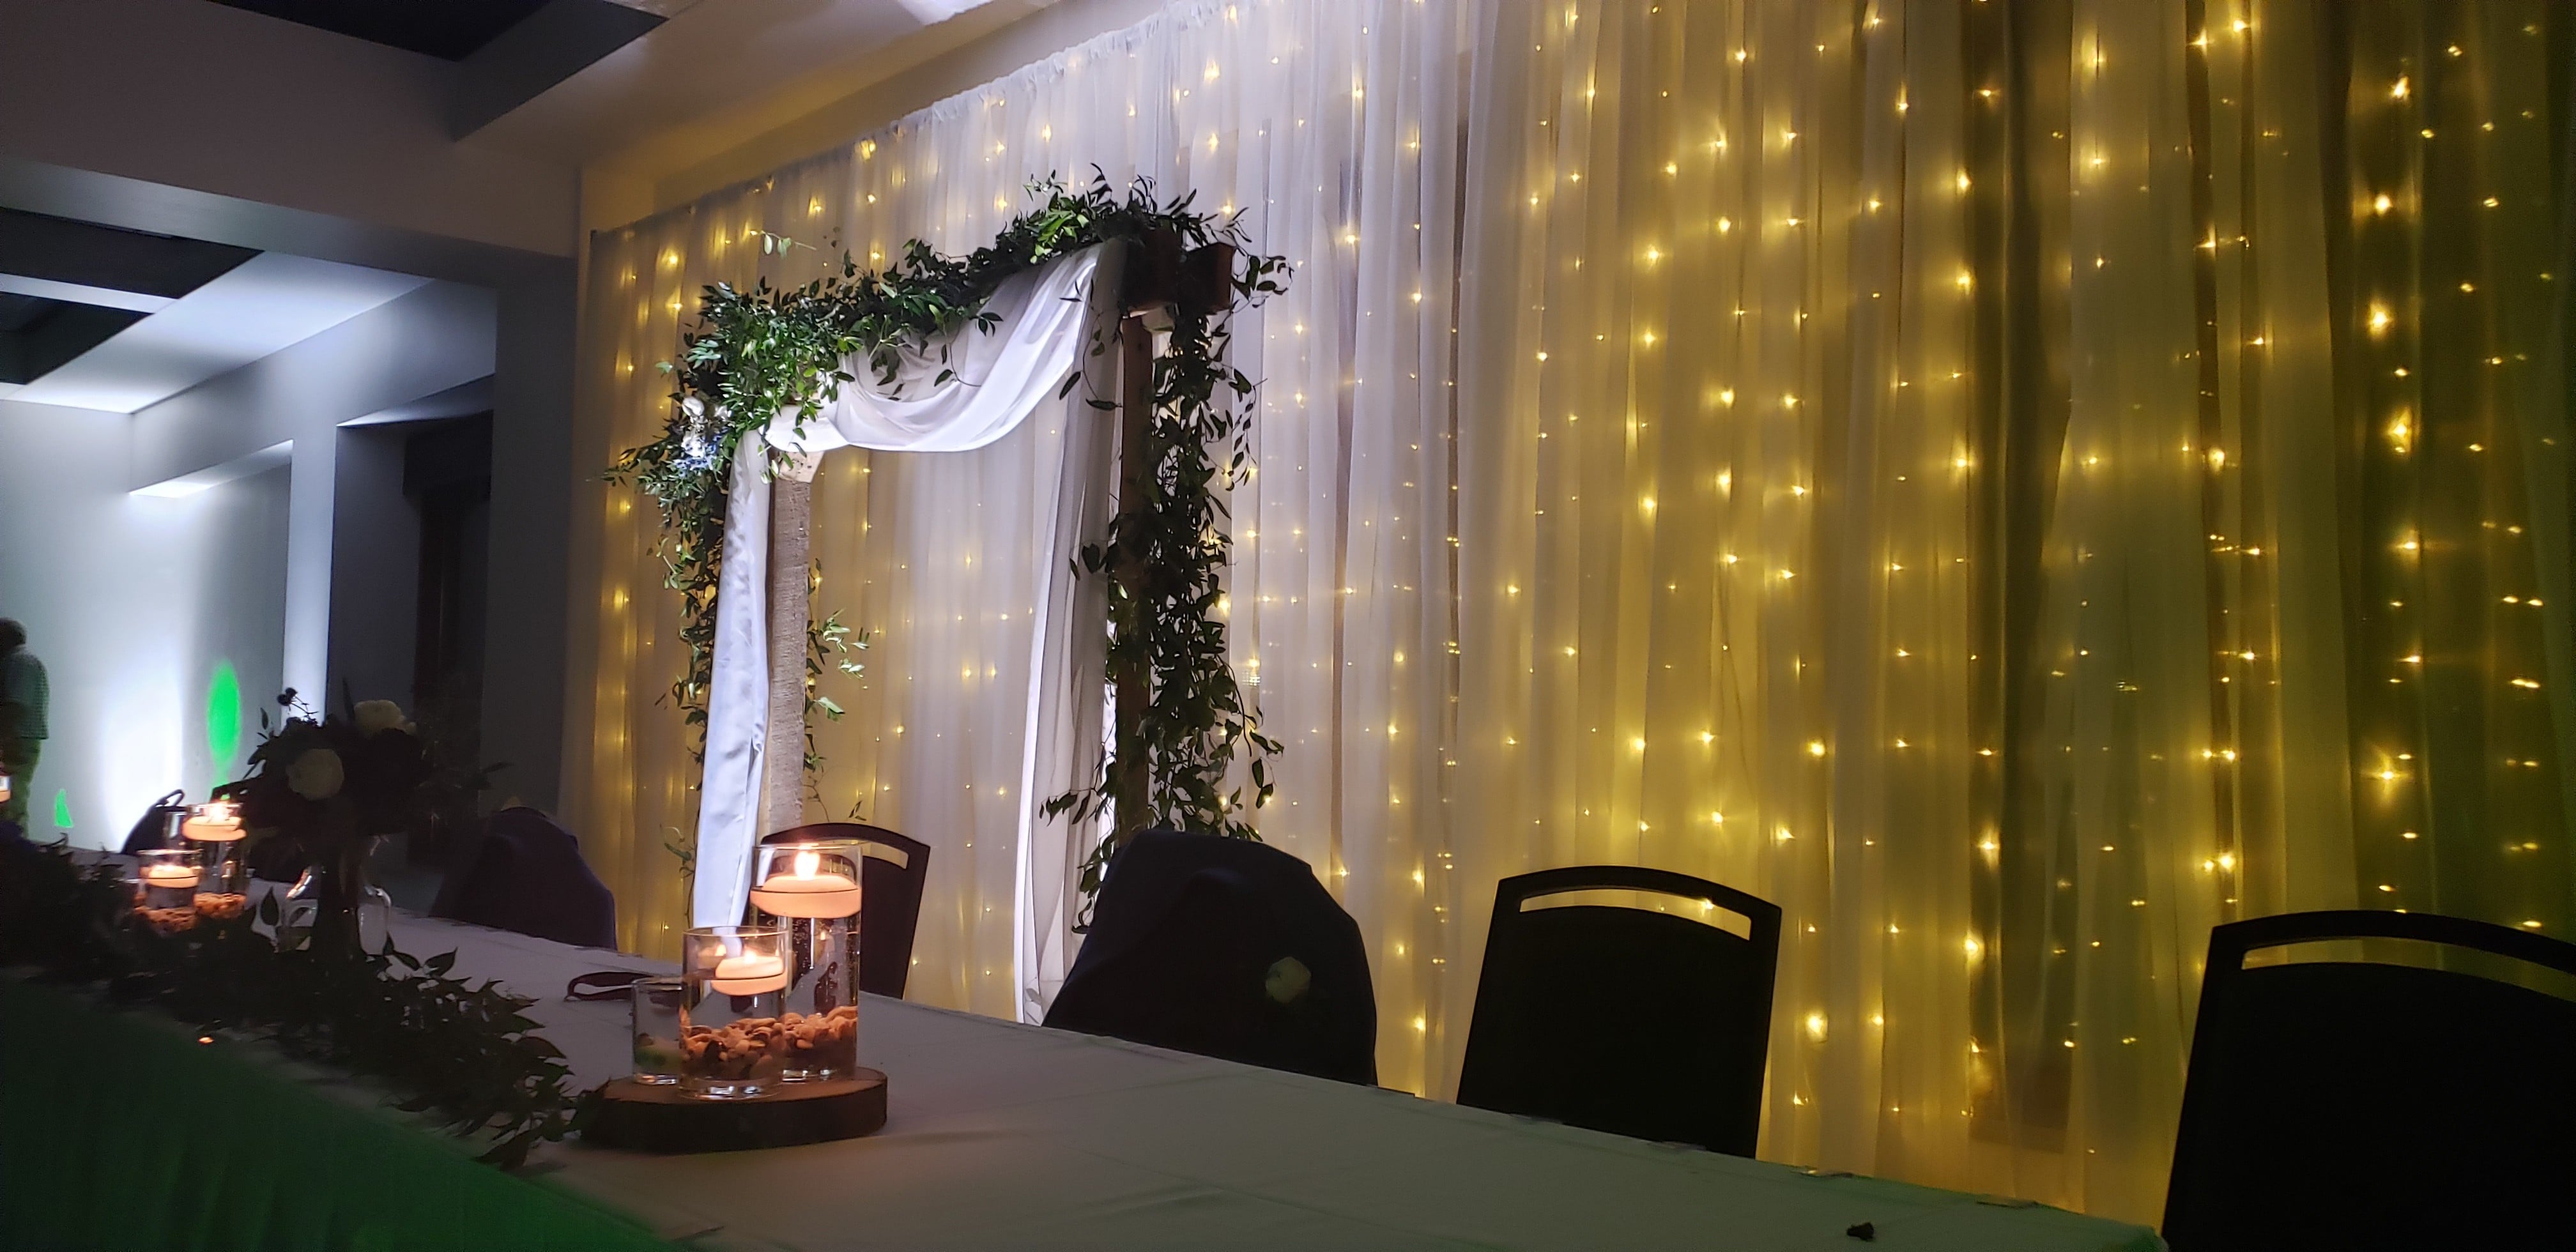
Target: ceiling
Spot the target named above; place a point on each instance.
(66, 286)
(719, 72)
(506, 52)
(94, 317)
(450, 30)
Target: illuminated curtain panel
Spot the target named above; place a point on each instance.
(631, 785)
(1994, 478)
(2449, 243)
(1715, 493)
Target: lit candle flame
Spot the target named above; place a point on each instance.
(807, 863)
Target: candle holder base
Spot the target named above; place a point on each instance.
(667, 1119)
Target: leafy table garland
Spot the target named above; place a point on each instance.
(464, 1055)
(761, 351)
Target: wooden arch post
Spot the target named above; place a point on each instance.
(791, 616)
(1163, 283)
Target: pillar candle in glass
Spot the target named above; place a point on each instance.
(165, 887)
(731, 1042)
(216, 826)
(810, 889)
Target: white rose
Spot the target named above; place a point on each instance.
(316, 774)
(376, 715)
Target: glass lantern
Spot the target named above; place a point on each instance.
(810, 889)
(734, 978)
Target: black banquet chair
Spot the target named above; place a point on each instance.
(1653, 1024)
(2359, 1104)
(1226, 948)
(892, 870)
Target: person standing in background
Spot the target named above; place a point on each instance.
(24, 697)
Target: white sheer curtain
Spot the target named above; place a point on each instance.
(1868, 455)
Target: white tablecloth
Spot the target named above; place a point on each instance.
(1007, 1136)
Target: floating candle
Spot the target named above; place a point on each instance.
(218, 821)
(172, 877)
(808, 892)
(749, 974)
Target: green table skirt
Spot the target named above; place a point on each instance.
(120, 1131)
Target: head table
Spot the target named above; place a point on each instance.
(1008, 1136)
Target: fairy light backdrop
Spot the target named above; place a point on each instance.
(2016, 484)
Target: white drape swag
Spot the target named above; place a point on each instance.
(1661, 459)
(959, 392)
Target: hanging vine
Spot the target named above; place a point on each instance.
(1167, 553)
(760, 351)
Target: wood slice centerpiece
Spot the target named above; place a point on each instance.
(668, 1119)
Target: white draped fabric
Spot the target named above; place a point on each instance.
(958, 392)
(1961, 471)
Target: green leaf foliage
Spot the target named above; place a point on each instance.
(461, 1054)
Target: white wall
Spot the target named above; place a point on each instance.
(375, 568)
(133, 603)
(440, 336)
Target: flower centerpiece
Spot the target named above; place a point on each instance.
(321, 790)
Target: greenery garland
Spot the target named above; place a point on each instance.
(465, 1055)
(761, 351)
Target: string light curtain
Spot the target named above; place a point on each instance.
(1997, 479)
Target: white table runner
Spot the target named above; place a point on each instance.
(1007, 1136)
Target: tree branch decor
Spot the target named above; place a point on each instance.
(761, 351)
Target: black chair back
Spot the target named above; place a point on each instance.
(159, 825)
(525, 874)
(1625, 1019)
(2356, 1105)
(892, 870)
(1226, 948)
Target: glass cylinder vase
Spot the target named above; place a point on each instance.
(165, 887)
(215, 827)
(733, 980)
(333, 902)
(810, 889)
(657, 1018)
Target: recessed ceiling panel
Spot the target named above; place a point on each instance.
(450, 30)
(55, 256)
(38, 334)
(268, 303)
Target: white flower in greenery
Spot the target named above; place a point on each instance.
(1287, 980)
(316, 774)
(376, 715)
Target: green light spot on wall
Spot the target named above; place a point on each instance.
(223, 720)
(62, 809)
